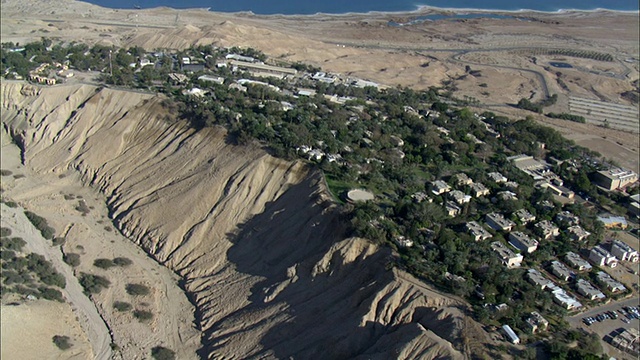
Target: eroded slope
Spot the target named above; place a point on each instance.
(255, 239)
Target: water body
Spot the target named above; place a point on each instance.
(298, 7)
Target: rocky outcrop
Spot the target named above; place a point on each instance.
(259, 246)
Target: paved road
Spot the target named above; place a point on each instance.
(92, 323)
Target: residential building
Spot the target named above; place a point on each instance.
(559, 190)
(611, 221)
(214, 79)
(477, 231)
(459, 197)
(601, 257)
(577, 233)
(565, 300)
(420, 197)
(525, 216)
(440, 187)
(574, 260)
(623, 251)
(479, 189)
(496, 177)
(505, 196)
(536, 322)
(498, 222)
(403, 241)
(615, 178)
(452, 209)
(508, 257)
(462, 179)
(547, 229)
(611, 284)
(589, 291)
(561, 271)
(511, 335)
(567, 219)
(536, 278)
(523, 242)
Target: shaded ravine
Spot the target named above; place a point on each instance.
(257, 241)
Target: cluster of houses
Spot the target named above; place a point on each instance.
(566, 272)
(617, 251)
(43, 74)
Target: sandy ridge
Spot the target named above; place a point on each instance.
(207, 209)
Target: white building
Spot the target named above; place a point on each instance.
(623, 251)
(574, 260)
(589, 291)
(498, 222)
(511, 335)
(602, 257)
(523, 242)
(508, 257)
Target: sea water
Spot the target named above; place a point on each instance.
(302, 7)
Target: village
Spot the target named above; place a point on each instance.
(454, 191)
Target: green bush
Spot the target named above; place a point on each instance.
(62, 342)
(72, 259)
(93, 284)
(122, 261)
(103, 263)
(41, 224)
(14, 243)
(7, 255)
(51, 294)
(122, 306)
(143, 315)
(162, 353)
(5, 231)
(137, 289)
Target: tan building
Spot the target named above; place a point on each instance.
(615, 178)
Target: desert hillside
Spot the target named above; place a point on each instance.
(260, 249)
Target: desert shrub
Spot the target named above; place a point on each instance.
(122, 261)
(53, 278)
(72, 259)
(162, 353)
(14, 243)
(59, 241)
(103, 263)
(143, 315)
(69, 196)
(5, 231)
(50, 294)
(41, 224)
(82, 207)
(9, 203)
(121, 306)
(62, 342)
(137, 289)
(18, 176)
(45, 271)
(4, 172)
(108, 228)
(93, 284)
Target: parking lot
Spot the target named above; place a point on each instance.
(606, 326)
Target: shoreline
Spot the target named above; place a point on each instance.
(420, 10)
